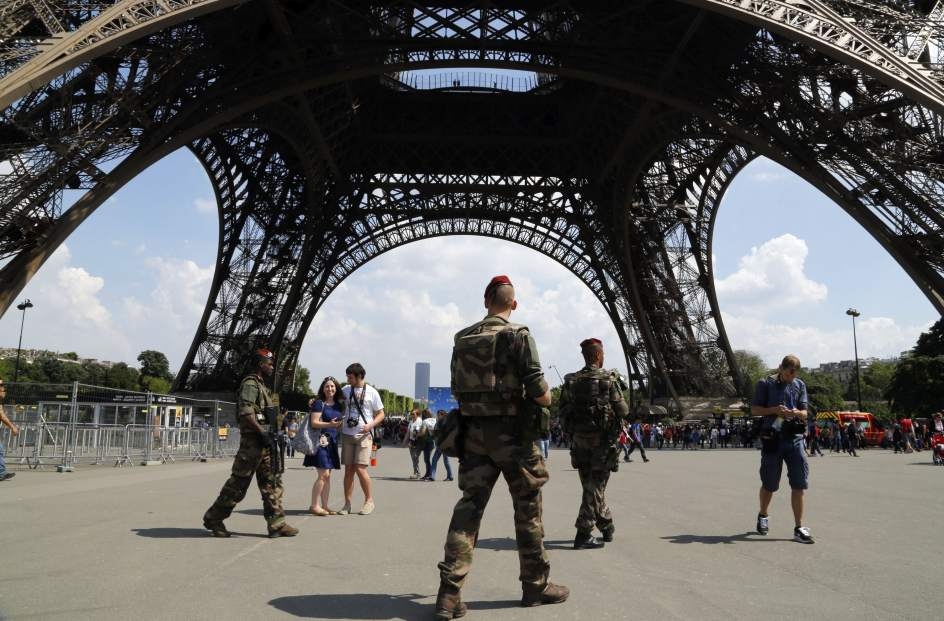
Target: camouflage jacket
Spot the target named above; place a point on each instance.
(592, 401)
(252, 400)
(495, 366)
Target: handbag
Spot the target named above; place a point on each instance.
(306, 441)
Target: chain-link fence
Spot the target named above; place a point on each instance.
(66, 424)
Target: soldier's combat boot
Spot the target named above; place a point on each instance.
(586, 541)
(217, 529)
(449, 604)
(284, 531)
(608, 534)
(551, 594)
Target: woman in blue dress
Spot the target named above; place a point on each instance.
(325, 418)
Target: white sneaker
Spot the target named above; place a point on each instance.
(802, 534)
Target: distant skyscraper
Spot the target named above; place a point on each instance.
(421, 392)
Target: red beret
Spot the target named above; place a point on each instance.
(265, 354)
(589, 342)
(495, 283)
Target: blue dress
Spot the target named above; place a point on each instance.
(326, 457)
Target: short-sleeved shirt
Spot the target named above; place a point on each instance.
(253, 399)
(770, 391)
(360, 406)
(329, 414)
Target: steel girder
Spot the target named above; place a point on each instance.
(642, 132)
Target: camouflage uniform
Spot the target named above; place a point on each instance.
(253, 456)
(593, 401)
(494, 444)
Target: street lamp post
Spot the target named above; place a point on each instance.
(556, 371)
(855, 346)
(21, 306)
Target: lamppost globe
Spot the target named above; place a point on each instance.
(853, 312)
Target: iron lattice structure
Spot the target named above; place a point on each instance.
(602, 133)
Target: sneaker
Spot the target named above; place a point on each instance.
(367, 509)
(284, 531)
(802, 534)
(551, 594)
(7, 476)
(345, 510)
(448, 479)
(763, 524)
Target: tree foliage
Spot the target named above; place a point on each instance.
(824, 392)
(752, 370)
(917, 387)
(931, 343)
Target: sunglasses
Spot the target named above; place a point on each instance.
(330, 379)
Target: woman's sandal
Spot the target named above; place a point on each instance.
(318, 511)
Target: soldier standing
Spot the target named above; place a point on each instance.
(497, 379)
(255, 456)
(593, 409)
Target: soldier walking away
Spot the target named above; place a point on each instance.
(497, 379)
(593, 409)
(258, 454)
(14, 431)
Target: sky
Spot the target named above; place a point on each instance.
(788, 263)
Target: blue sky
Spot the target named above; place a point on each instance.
(788, 263)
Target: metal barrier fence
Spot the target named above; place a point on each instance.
(63, 425)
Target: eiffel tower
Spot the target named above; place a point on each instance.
(601, 133)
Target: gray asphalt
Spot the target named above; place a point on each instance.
(105, 543)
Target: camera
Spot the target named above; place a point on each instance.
(351, 422)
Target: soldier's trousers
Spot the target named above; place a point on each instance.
(491, 449)
(593, 509)
(252, 457)
(593, 459)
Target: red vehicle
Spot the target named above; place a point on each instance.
(873, 434)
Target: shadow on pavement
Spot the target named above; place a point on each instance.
(370, 606)
(259, 511)
(714, 539)
(497, 543)
(563, 544)
(183, 533)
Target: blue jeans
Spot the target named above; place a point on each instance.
(432, 469)
(543, 445)
(3, 461)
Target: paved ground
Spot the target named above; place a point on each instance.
(104, 543)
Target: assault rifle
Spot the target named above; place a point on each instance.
(271, 439)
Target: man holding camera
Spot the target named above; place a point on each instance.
(256, 411)
(782, 400)
(497, 379)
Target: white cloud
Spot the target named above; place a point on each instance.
(879, 337)
(768, 176)
(205, 205)
(68, 313)
(771, 277)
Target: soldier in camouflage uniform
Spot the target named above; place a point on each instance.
(593, 409)
(497, 379)
(253, 456)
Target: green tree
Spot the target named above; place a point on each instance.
(154, 364)
(120, 375)
(154, 384)
(70, 355)
(752, 369)
(824, 392)
(931, 343)
(302, 381)
(917, 387)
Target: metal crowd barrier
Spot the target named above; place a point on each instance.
(61, 425)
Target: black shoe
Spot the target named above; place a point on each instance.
(217, 529)
(608, 534)
(763, 525)
(645, 460)
(587, 542)
(7, 476)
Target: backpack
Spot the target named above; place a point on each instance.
(483, 370)
(588, 408)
